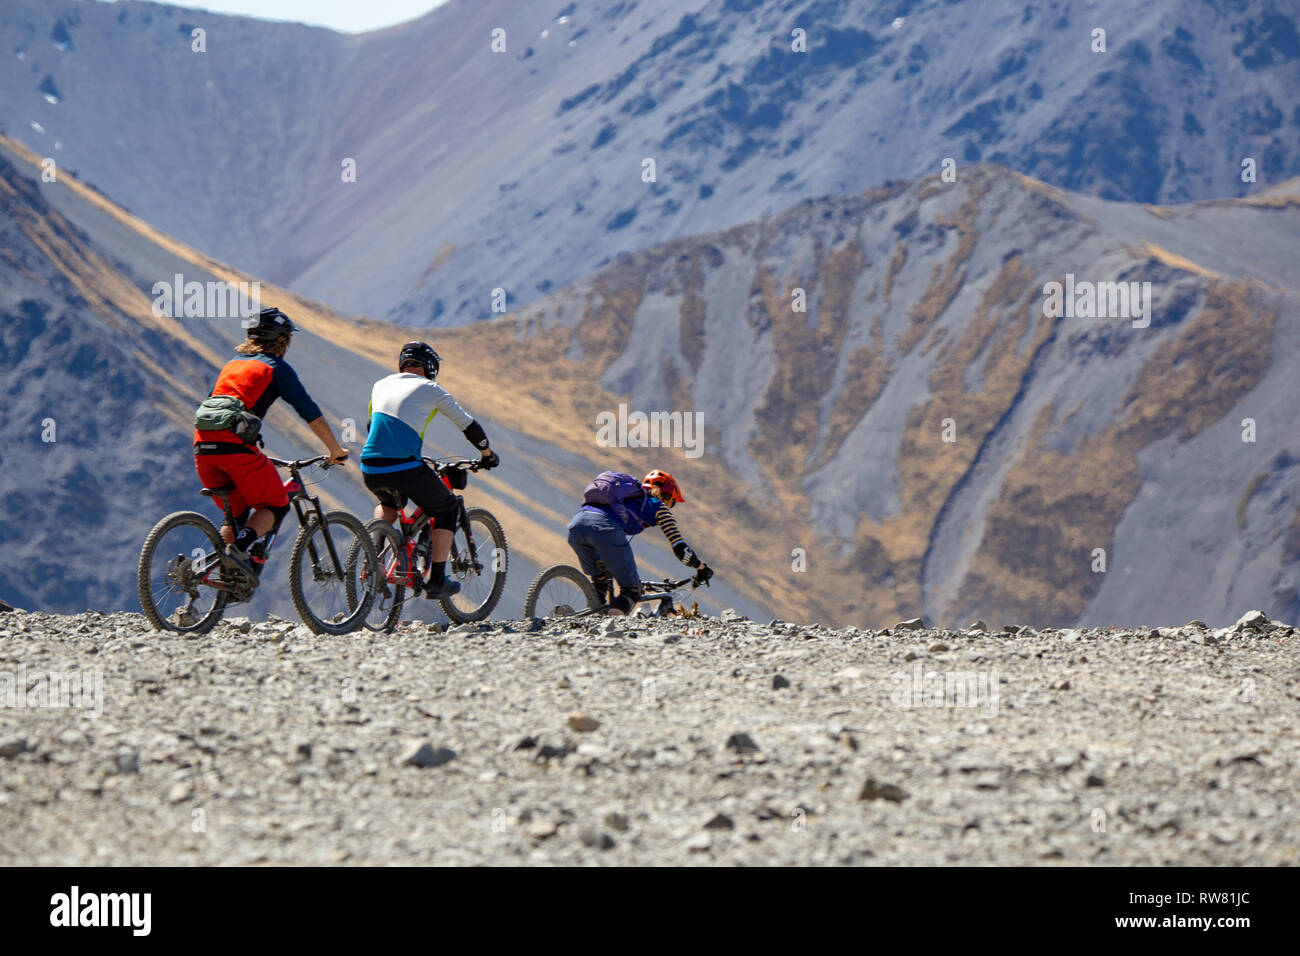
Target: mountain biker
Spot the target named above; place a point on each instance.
(257, 378)
(401, 408)
(599, 534)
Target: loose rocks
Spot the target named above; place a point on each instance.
(583, 723)
(392, 749)
(424, 754)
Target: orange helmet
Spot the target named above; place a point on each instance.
(664, 482)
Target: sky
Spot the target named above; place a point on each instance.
(348, 16)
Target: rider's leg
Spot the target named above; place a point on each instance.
(441, 545)
(389, 504)
(583, 549)
(589, 533)
(603, 583)
(615, 554)
(252, 523)
(213, 475)
(260, 522)
(257, 524)
(261, 486)
(431, 496)
(263, 543)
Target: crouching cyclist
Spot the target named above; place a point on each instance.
(615, 506)
(226, 457)
(401, 408)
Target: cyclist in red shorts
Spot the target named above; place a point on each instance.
(257, 377)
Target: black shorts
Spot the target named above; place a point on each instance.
(419, 485)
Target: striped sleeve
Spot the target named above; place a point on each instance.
(668, 525)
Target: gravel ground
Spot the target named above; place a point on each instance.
(662, 742)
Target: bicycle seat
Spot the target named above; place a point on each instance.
(217, 492)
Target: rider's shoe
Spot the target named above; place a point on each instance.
(445, 589)
(244, 561)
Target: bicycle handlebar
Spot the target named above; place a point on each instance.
(442, 464)
(322, 460)
(670, 585)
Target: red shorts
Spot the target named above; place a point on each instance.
(257, 483)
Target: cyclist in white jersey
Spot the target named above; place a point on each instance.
(401, 408)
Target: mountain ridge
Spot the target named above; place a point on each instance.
(923, 305)
(468, 177)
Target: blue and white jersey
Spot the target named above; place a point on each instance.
(401, 408)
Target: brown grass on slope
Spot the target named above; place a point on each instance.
(1036, 556)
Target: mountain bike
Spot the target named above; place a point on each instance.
(186, 580)
(479, 559)
(564, 591)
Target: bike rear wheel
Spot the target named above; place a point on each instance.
(560, 591)
(481, 570)
(179, 556)
(330, 598)
(390, 581)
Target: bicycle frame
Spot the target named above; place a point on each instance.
(407, 522)
(660, 591)
(304, 506)
(297, 496)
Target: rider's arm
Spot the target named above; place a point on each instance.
(472, 430)
(326, 434)
(668, 525)
(291, 390)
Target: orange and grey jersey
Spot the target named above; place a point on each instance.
(401, 408)
(257, 381)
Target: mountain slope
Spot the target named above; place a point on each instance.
(79, 344)
(924, 322)
(920, 439)
(522, 170)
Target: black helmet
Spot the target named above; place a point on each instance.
(422, 353)
(268, 326)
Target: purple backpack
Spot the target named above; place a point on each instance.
(612, 489)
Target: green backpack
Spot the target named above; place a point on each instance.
(221, 413)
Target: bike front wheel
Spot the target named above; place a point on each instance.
(479, 560)
(332, 593)
(560, 591)
(179, 564)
